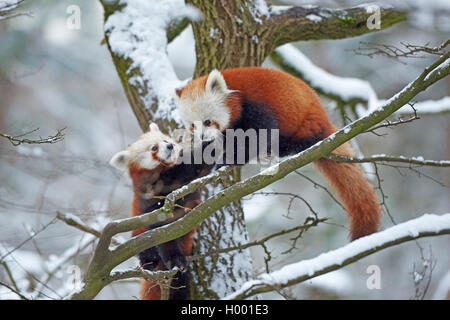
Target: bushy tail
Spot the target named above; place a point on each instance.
(354, 190)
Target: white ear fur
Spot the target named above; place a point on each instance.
(120, 160)
(216, 82)
(153, 127)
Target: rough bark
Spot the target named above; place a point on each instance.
(316, 23)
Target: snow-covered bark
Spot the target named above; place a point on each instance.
(426, 225)
(136, 33)
(352, 91)
(346, 89)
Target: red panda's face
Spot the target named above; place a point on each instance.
(202, 107)
(151, 150)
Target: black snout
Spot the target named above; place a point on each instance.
(170, 146)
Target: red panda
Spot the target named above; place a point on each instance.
(151, 162)
(262, 98)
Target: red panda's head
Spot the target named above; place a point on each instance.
(202, 105)
(151, 150)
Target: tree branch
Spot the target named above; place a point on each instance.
(315, 23)
(141, 78)
(371, 49)
(21, 296)
(105, 260)
(7, 10)
(142, 273)
(18, 140)
(309, 222)
(75, 222)
(384, 158)
(425, 226)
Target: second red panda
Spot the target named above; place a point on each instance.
(151, 162)
(262, 98)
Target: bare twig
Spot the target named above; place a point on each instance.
(75, 222)
(371, 49)
(399, 121)
(13, 290)
(383, 195)
(423, 274)
(293, 196)
(18, 140)
(386, 158)
(28, 239)
(318, 185)
(10, 275)
(309, 222)
(142, 273)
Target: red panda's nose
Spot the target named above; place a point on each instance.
(170, 146)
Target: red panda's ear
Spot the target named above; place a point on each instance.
(120, 160)
(216, 83)
(153, 127)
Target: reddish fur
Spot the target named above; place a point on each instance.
(355, 191)
(295, 105)
(188, 240)
(300, 115)
(151, 290)
(136, 211)
(136, 175)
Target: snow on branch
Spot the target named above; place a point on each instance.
(301, 23)
(137, 33)
(76, 222)
(8, 5)
(19, 139)
(347, 90)
(8, 9)
(425, 226)
(420, 161)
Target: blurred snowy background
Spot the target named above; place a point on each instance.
(52, 77)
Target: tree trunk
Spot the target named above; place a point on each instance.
(237, 33)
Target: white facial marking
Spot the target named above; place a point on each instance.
(149, 151)
(207, 106)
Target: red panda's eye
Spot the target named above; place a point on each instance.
(207, 123)
(154, 148)
(192, 126)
